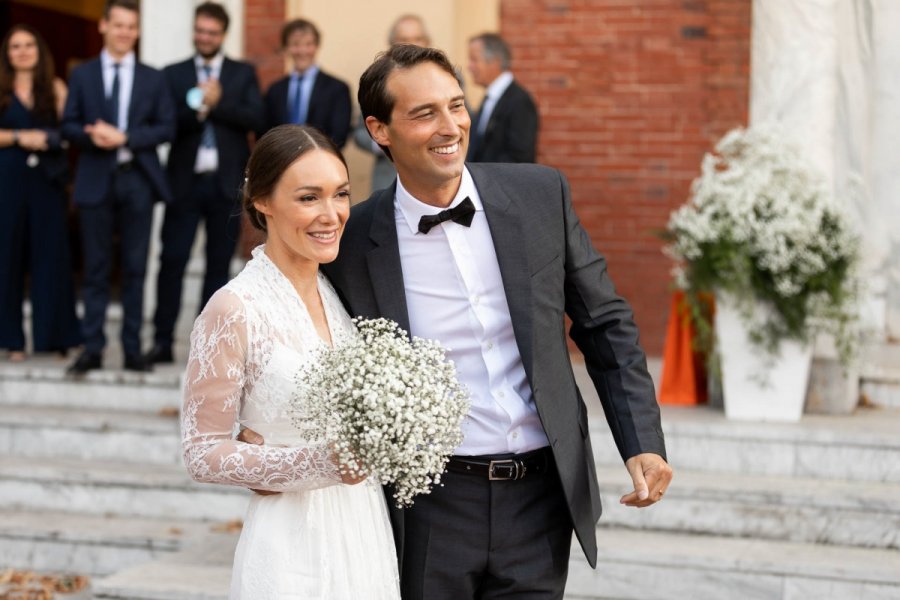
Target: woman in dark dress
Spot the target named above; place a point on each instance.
(33, 205)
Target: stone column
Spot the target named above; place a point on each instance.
(828, 73)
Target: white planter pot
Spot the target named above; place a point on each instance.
(755, 387)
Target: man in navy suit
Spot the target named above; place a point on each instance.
(218, 103)
(308, 95)
(506, 126)
(117, 112)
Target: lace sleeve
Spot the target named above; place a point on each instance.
(214, 384)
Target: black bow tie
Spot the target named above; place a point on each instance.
(462, 213)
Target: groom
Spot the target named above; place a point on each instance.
(488, 259)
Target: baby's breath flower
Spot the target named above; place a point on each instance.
(392, 408)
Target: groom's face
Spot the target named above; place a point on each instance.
(429, 131)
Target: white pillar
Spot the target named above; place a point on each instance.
(828, 73)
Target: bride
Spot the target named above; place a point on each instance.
(326, 535)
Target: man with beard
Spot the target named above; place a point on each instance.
(218, 103)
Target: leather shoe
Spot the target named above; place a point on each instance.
(138, 363)
(160, 355)
(86, 361)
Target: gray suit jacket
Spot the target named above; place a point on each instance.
(549, 269)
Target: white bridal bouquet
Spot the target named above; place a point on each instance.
(392, 407)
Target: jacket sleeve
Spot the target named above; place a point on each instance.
(520, 133)
(341, 115)
(214, 387)
(159, 126)
(73, 119)
(604, 330)
(243, 110)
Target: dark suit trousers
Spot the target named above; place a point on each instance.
(475, 538)
(222, 218)
(128, 210)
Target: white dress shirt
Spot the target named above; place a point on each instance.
(454, 294)
(491, 95)
(207, 157)
(126, 82)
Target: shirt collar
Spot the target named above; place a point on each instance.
(414, 209)
(106, 61)
(215, 62)
(308, 74)
(499, 85)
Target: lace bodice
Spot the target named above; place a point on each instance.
(246, 349)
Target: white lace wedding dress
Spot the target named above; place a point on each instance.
(319, 538)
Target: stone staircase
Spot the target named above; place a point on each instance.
(91, 481)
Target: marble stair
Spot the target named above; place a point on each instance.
(91, 481)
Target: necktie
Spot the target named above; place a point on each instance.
(112, 102)
(208, 137)
(462, 213)
(299, 103)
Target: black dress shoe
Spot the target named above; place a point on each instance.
(87, 361)
(136, 362)
(160, 355)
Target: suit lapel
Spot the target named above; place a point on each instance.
(137, 93)
(505, 222)
(383, 261)
(100, 88)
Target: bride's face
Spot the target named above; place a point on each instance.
(306, 213)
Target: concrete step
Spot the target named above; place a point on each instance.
(632, 565)
(200, 572)
(91, 545)
(659, 565)
(864, 446)
(42, 381)
(847, 513)
(90, 434)
(108, 488)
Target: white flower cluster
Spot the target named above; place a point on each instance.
(391, 407)
(759, 194)
(762, 227)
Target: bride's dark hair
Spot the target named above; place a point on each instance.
(273, 154)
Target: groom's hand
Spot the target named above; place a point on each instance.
(651, 476)
(248, 436)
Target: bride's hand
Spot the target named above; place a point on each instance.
(248, 436)
(349, 479)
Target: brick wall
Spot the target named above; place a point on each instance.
(263, 20)
(631, 94)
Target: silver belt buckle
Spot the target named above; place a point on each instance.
(514, 468)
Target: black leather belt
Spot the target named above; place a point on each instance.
(504, 467)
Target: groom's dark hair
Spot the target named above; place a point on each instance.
(374, 99)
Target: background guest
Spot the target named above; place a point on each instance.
(118, 111)
(505, 127)
(33, 169)
(308, 95)
(407, 29)
(205, 165)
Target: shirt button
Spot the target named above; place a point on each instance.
(500, 394)
(515, 434)
(490, 345)
(475, 299)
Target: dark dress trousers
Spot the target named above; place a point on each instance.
(114, 198)
(511, 132)
(213, 197)
(557, 273)
(329, 106)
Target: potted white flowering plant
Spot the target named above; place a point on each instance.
(763, 233)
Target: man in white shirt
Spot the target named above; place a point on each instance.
(218, 103)
(117, 112)
(488, 260)
(506, 126)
